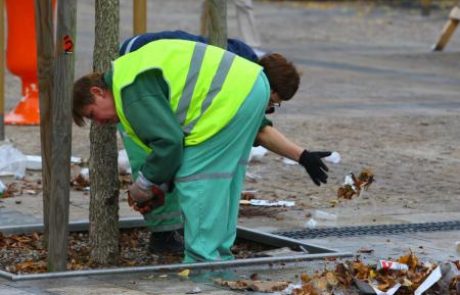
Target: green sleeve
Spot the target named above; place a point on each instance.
(146, 106)
(265, 122)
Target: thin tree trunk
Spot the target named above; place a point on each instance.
(217, 25)
(103, 213)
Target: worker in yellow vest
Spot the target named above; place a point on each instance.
(195, 110)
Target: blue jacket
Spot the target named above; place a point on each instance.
(233, 45)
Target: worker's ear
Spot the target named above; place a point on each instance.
(96, 91)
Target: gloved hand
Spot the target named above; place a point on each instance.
(315, 167)
(144, 196)
(147, 206)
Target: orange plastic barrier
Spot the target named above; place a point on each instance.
(21, 60)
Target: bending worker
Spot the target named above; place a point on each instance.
(165, 222)
(195, 110)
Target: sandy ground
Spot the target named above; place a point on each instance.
(371, 90)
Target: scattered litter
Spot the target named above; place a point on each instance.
(252, 177)
(387, 264)
(123, 162)
(406, 273)
(12, 161)
(34, 162)
(257, 153)
(319, 214)
(267, 203)
(355, 185)
(184, 273)
(195, 290)
(81, 180)
(30, 192)
(334, 158)
(278, 252)
(2, 188)
(311, 223)
(289, 161)
(248, 195)
(434, 277)
(163, 276)
(257, 286)
(365, 250)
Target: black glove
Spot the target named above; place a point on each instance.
(311, 161)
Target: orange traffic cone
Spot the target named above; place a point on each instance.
(21, 59)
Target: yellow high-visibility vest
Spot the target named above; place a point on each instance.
(207, 85)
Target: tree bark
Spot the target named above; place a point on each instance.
(217, 25)
(104, 180)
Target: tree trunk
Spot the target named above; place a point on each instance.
(217, 25)
(103, 213)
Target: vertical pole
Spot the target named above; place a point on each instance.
(45, 54)
(426, 7)
(217, 22)
(2, 71)
(61, 136)
(139, 16)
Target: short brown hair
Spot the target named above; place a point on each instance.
(82, 95)
(282, 75)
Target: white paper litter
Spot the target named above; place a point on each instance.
(319, 214)
(334, 158)
(35, 162)
(267, 203)
(369, 289)
(257, 153)
(311, 223)
(434, 276)
(12, 161)
(289, 161)
(123, 162)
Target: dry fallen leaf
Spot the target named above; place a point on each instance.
(184, 273)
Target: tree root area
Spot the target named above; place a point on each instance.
(26, 254)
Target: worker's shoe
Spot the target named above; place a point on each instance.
(166, 242)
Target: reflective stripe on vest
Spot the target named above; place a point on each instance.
(207, 84)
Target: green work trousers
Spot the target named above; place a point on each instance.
(211, 178)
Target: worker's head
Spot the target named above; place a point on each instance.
(92, 99)
(283, 77)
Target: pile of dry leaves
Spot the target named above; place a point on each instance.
(355, 185)
(350, 276)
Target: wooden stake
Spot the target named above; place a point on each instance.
(426, 7)
(139, 16)
(217, 22)
(448, 30)
(61, 136)
(45, 55)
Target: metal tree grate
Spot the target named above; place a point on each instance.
(385, 229)
(302, 252)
